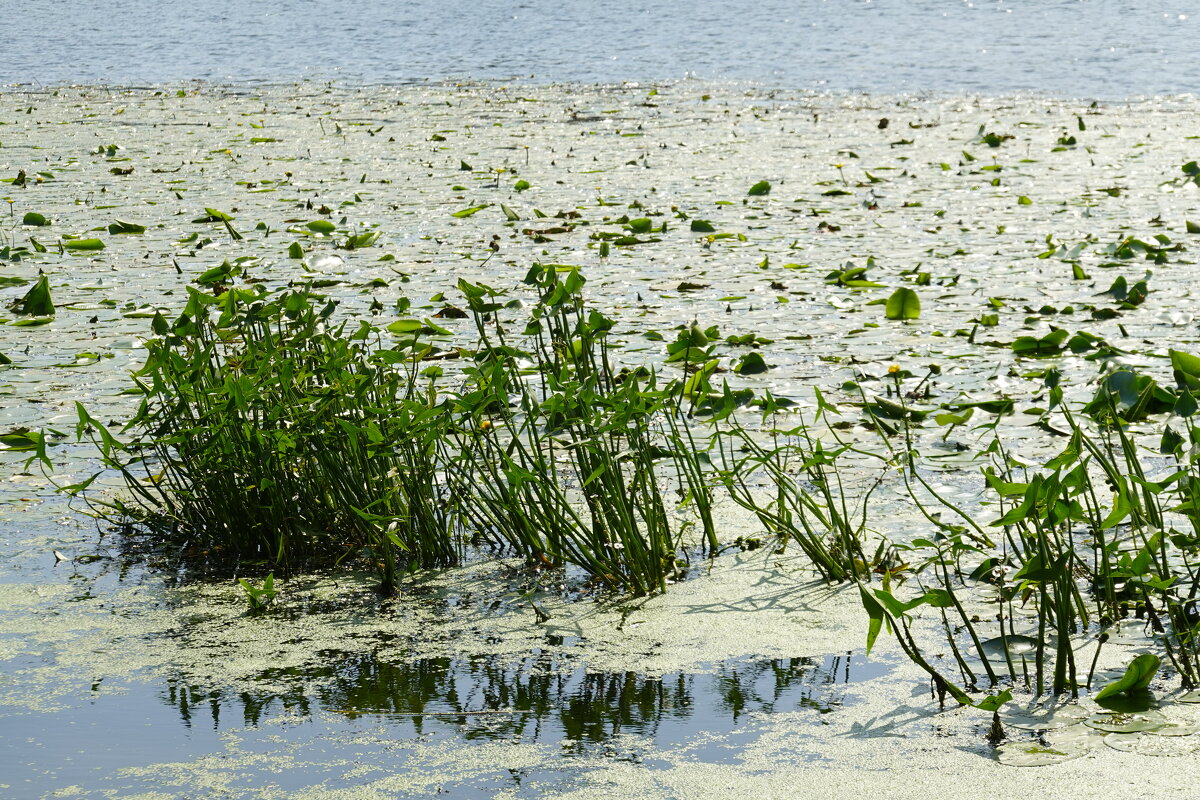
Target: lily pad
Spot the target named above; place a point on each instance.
(1144, 744)
(1036, 754)
(1018, 645)
(903, 304)
(1043, 718)
(1121, 722)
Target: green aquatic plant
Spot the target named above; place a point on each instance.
(566, 459)
(790, 480)
(903, 304)
(259, 598)
(268, 432)
(37, 301)
(1137, 677)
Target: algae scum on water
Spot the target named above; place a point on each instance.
(651, 406)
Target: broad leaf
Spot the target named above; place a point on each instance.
(903, 304)
(1137, 676)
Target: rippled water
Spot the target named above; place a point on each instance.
(1075, 48)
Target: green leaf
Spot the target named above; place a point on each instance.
(219, 273)
(321, 226)
(34, 218)
(21, 439)
(122, 227)
(903, 304)
(1034, 347)
(83, 244)
(466, 212)
(509, 214)
(876, 612)
(359, 240)
(213, 215)
(994, 701)
(702, 226)
(1024, 201)
(1186, 368)
(1185, 405)
(521, 186)
(760, 188)
(36, 301)
(751, 364)
(1192, 227)
(1137, 676)
(295, 250)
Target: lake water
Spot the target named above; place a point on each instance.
(115, 681)
(1072, 48)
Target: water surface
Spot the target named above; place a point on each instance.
(1072, 48)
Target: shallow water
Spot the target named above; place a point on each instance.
(110, 731)
(1069, 48)
(252, 707)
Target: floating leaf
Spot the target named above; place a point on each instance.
(21, 439)
(1043, 718)
(1037, 347)
(409, 326)
(83, 244)
(295, 250)
(903, 304)
(122, 227)
(213, 215)
(1053, 747)
(1122, 722)
(466, 212)
(760, 188)
(321, 226)
(702, 226)
(751, 364)
(1153, 743)
(34, 218)
(1017, 646)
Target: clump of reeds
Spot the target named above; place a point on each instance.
(271, 433)
(268, 433)
(569, 459)
(790, 480)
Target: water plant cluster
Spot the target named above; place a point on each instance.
(1013, 510)
(271, 433)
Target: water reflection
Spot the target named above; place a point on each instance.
(535, 699)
